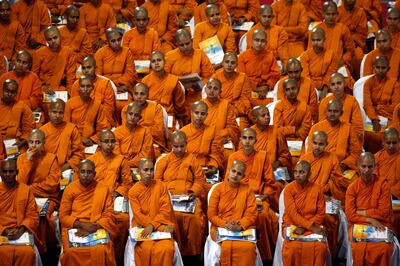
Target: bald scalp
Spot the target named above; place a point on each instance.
(182, 33)
(39, 133)
(178, 136)
(141, 85)
(71, 8)
(89, 59)
(321, 134)
(10, 82)
(111, 32)
(265, 8)
(329, 4)
(8, 161)
(56, 103)
(106, 132)
(88, 162)
(134, 106)
(366, 156)
(51, 29)
(211, 80)
(391, 131)
(141, 10)
(199, 103)
(255, 112)
(306, 165)
(336, 103)
(293, 62)
(230, 54)
(381, 59)
(159, 53)
(27, 54)
(210, 7)
(248, 129)
(143, 161)
(394, 11)
(318, 32)
(85, 77)
(290, 81)
(259, 33)
(241, 164)
(383, 33)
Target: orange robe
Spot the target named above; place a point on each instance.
(64, 141)
(57, 7)
(55, 69)
(87, 116)
(114, 172)
(261, 181)
(239, 204)
(102, 92)
(274, 143)
(242, 8)
(134, 144)
(42, 175)
(33, 17)
(199, 12)
(183, 176)
(304, 207)
(29, 87)
(395, 38)
(339, 40)
(162, 18)
(152, 118)
(394, 58)
(236, 90)
(12, 128)
(18, 208)
(177, 5)
(342, 140)
(374, 198)
(319, 67)
(222, 116)
(277, 41)
(293, 18)
(78, 40)
(261, 68)
(351, 113)
(152, 205)
(205, 143)
(306, 94)
(87, 204)
(396, 118)
(96, 20)
(204, 30)
(125, 7)
(180, 65)
(293, 120)
(313, 9)
(373, 8)
(12, 39)
(169, 93)
(142, 45)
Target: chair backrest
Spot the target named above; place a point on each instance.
(208, 201)
(358, 90)
(271, 108)
(165, 116)
(362, 66)
(242, 43)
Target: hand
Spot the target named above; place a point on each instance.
(186, 12)
(233, 226)
(87, 226)
(376, 224)
(82, 232)
(327, 198)
(115, 194)
(341, 63)
(55, 19)
(362, 213)
(122, 88)
(87, 142)
(263, 197)
(31, 43)
(16, 233)
(169, 229)
(11, 65)
(147, 231)
(211, 170)
(120, 18)
(192, 196)
(30, 153)
(318, 230)
(64, 167)
(240, 21)
(276, 165)
(48, 89)
(299, 230)
(21, 143)
(324, 92)
(375, 125)
(343, 167)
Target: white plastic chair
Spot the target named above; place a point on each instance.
(271, 108)
(358, 90)
(212, 250)
(362, 66)
(242, 43)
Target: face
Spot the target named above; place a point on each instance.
(266, 18)
(157, 62)
(318, 145)
(9, 173)
(85, 88)
(392, 20)
(88, 68)
(114, 41)
(383, 42)
(199, 114)
(178, 146)
(141, 20)
(248, 139)
(185, 45)
(86, 174)
(317, 42)
(366, 167)
(5, 12)
(330, 15)
(300, 174)
(380, 68)
(146, 171)
(333, 113)
(107, 143)
(22, 64)
(213, 16)
(95, 2)
(56, 115)
(349, 4)
(291, 91)
(140, 95)
(337, 87)
(10, 93)
(132, 116)
(53, 39)
(236, 173)
(263, 118)
(72, 19)
(294, 71)
(213, 90)
(391, 143)
(229, 64)
(36, 143)
(258, 42)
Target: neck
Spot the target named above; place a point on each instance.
(292, 101)
(248, 151)
(11, 185)
(105, 154)
(229, 74)
(130, 127)
(334, 123)
(213, 100)
(197, 126)
(262, 127)
(159, 73)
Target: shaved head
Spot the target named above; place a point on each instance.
(318, 32)
(141, 85)
(133, 106)
(391, 131)
(10, 162)
(90, 60)
(321, 134)
(306, 165)
(87, 162)
(248, 129)
(182, 33)
(159, 53)
(383, 33)
(336, 103)
(366, 155)
(111, 33)
(141, 11)
(178, 136)
(143, 161)
(25, 54)
(106, 133)
(259, 32)
(337, 75)
(57, 102)
(381, 59)
(264, 8)
(329, 4)
(239, 163)
(51, 29)
(293, 62)
(210, 7)
(216, 80)
(230, 54)
(199, 103)
(39, 133)
(69, 9)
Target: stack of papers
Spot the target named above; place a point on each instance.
(212, 179)
(25, 240)
(97, 238)
(92, 149)
(135, 234)
(308, 236)
(181, 203)
(66, 178)
(369, 233)
(248, 235)
(246, 26)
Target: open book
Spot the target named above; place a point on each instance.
(308, 236)
(97, 238)
(213, 49)
(369, 233)
(295, 147)
(135, 234)
(181, 203)
(48, 98)
(190, 79)
(369, 127)
(225, 234)
(25, 240)
(282, 173)
(11, 149)
(42, 205)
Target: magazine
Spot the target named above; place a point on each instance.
(259, 202)
(66, 178)
(91, 149)
(368, 123)
(369, 233)
(295, 147)
(212, 179)
(142, 66)
(282, 173)
(121, 205)
(225, 234)
(213, 49)
(181, 203)
(246, 26)
(135, 234)
(308, 236)
(97, 238)
(332, 206)
(11, 149)
(48, 98)
(25, 239)
(42, 205)
(122, 96)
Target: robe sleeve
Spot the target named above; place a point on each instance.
(199, 178)
(141, 218)
(319, 216)
(252, 10)
(198, 35)
(231, 129)
(19, 42)
(172, 27)
(348, 46)
(77, 153)
(230, 43)
(31, 217)
(383, 211)
(101, 124)
(283, 155)
(179, 103)
(85, 49)
(283, 47)
(27, 122)
(206, 68)
(37, 94)
(107, 218)
(354, 151)
(66, 219)
(291, 211)
(51, 184)
(213, 206)
(164, 210)
(350, 206)
(216, 152)
(250, 214)
(126, 179)
(70, 70)
(301, 29)
(305, 124)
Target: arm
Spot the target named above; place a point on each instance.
(67, 220)
(31, 217)
(138, 216)
(300, 29)
(250, 214)
(354, 150)
(230, 43)
(125, 182)
(164, 212)
(283, 47)
(147, 148)
(27, 123)
(207, 68)
(350, 206)
(107, 218)
(283, 154)
(368, 104)
(252, 10)
(216, 154)
(172, 27)
(348, 46)
(37, 94)
(199, 180)
(50, 185)
(179, 103)
(197, 38)
(76, 151)
(383, 210)
(291, 211)
(86, 48)
(213, 206)
(101, 124)
(231, 129)
(70, 70)
(305, 126)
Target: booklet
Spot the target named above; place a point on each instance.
(295, 147)
(368, 123)
(42, 205)
(332, 206)
(228, 145)
(37, 116)
(121, 205)
(369, 233)
(66, 178)
(97, 238)
(92, 149)
(190, 79)
(135, 234)
(246, 26)
(308, 236)
(135, 174)
(11, 149)
(122, 96)
(282, 173)
(142, 66)
(348, 174)
(225, 234)
(25, 239)
(181, 203)
(212, 179)
(48, 98)
(259, 202)
(213, 49)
